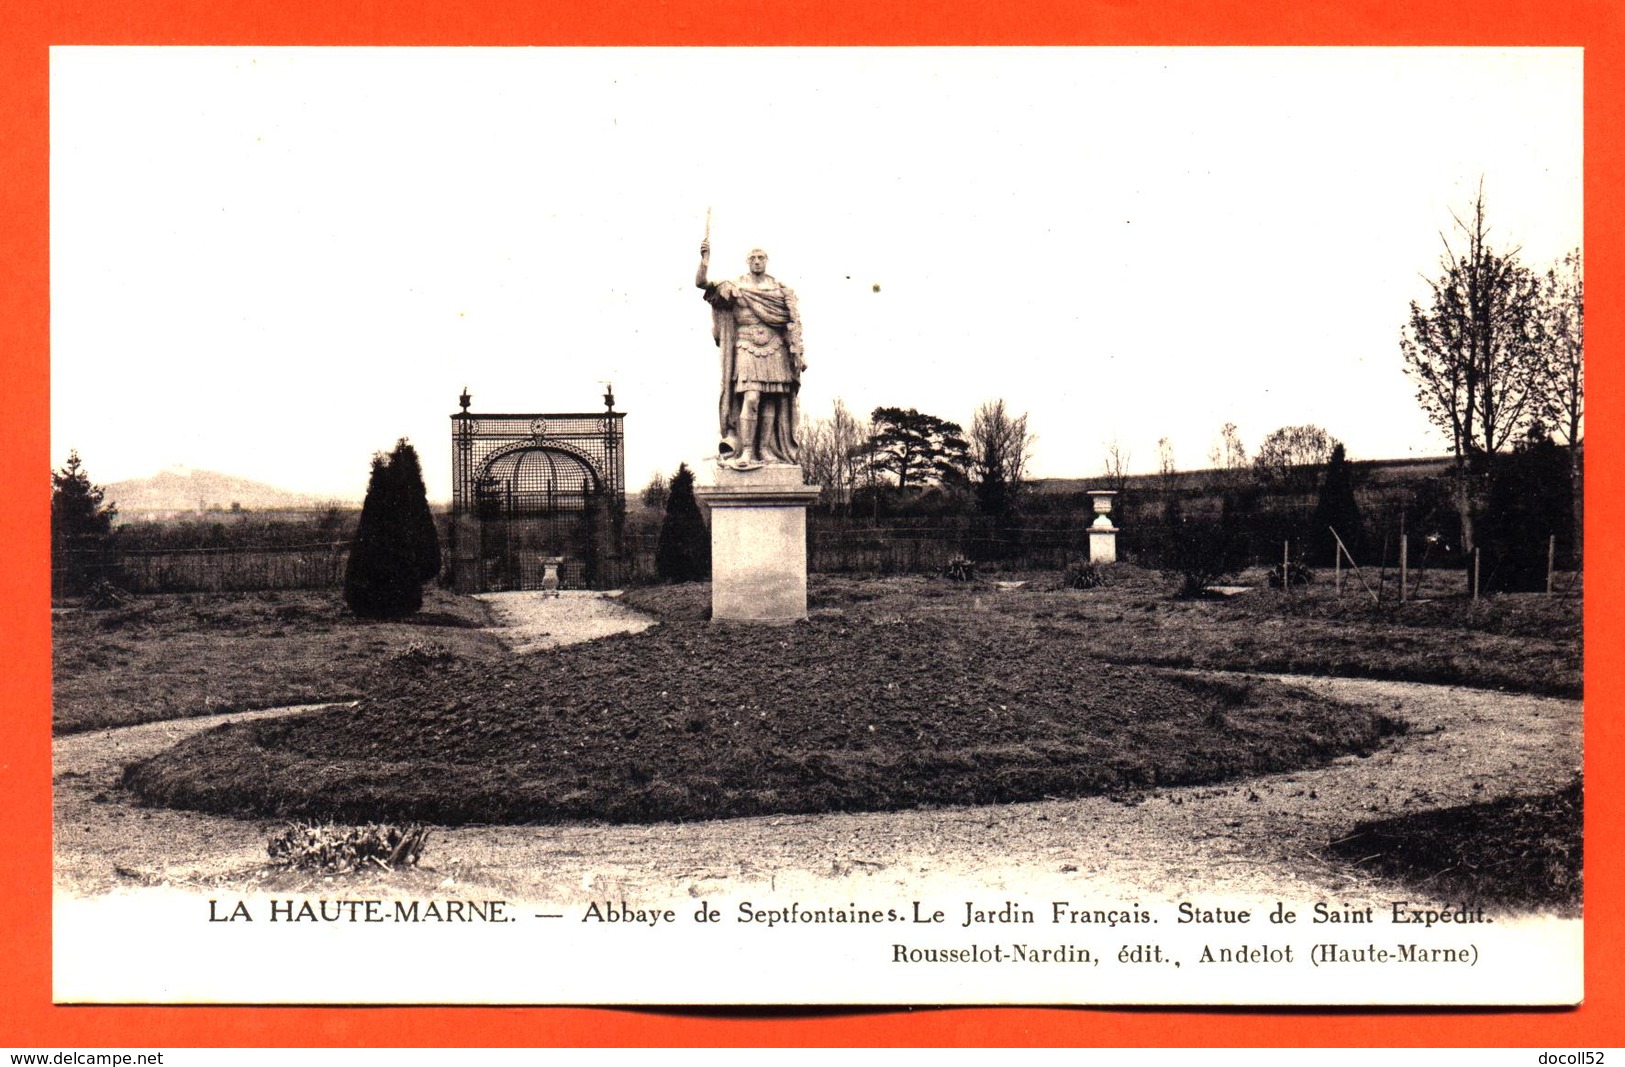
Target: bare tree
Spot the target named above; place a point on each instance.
(817, 460)
(1166, 468)
(655, 492)
(1000, 448)
(1475, 353)
(1227, 457)
(834, 455)
(1563, 371)
(849, 437)
(1115, 473)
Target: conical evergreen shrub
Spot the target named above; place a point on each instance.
(407, 473)
(1337, 510)
(381, 577)
(683, 553)
(1528, 502)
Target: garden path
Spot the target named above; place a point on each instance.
(1259, 839)
(530, 622)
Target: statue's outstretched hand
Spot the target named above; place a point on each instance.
(705, 249)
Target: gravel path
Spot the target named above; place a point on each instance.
(1259, 838)
(530, 622)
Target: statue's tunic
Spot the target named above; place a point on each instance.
(758, 333)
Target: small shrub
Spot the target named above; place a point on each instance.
(1084, 576)
(331, 847)
(1199, 554)
(105, 596)
(422, 654)
(1296, 574)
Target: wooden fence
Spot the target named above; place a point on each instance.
(214, 570)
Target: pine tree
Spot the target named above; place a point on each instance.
(81, 529)
(407, 473)
(1336, 510)
(381, 579)
(77, 510)
(918, 449)
(684, 550)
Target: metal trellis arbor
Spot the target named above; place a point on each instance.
(526, 488)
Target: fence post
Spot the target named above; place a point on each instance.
(1404, 570)
(1475, 572)
(1337, 569)
(1551, 562)
(1357, 572)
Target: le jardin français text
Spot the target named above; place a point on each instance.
(1261, 934)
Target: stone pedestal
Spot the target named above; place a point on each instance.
(550, 574)
(1102, 534)
(758, 543)
(1102, 544)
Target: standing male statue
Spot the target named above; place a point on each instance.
(757, 327)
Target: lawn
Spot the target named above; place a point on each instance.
(1519, 851)
(1520, 642)
(177, 655)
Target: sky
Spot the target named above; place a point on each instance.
(275, 262)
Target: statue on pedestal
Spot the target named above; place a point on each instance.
(757, 328)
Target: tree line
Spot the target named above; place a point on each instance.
(901, 458)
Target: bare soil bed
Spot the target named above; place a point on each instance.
(1265, 837)
(694, 721)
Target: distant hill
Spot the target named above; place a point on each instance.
(181, 490)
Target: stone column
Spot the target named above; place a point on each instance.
(758, 543)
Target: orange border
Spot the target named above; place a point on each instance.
(29, 1019)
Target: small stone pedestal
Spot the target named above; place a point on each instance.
(1102, 534)
(550, 574)
(758, 543)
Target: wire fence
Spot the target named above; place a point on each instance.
(835, 545)
(921, 546)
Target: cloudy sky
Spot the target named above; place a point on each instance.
(274, 262)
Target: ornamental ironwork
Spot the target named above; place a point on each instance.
(530, 488)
